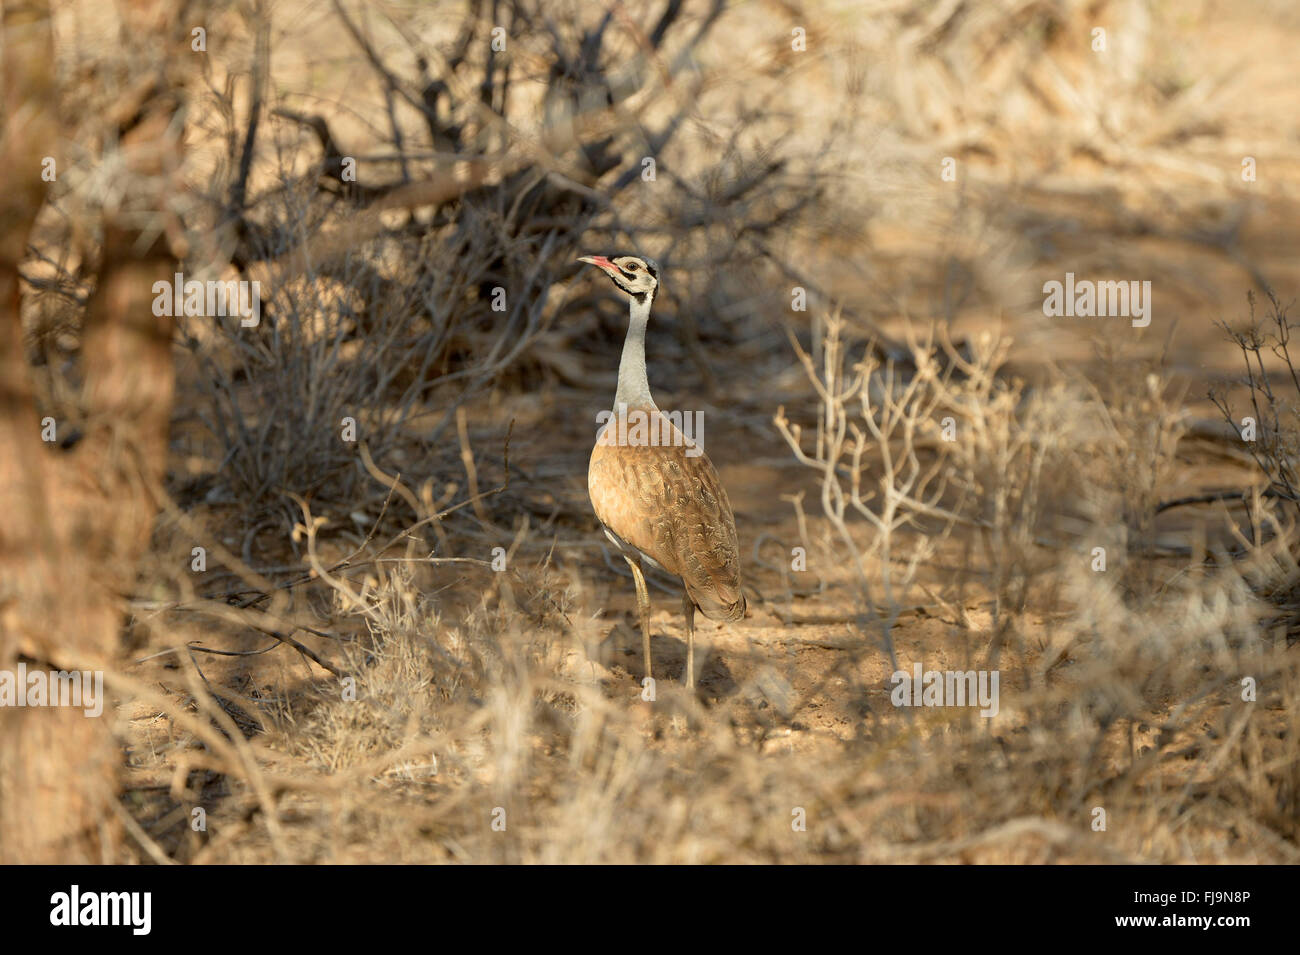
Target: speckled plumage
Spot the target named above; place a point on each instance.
(672, 508)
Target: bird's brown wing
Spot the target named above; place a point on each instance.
(670, 505)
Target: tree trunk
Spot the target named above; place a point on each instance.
(74, 522)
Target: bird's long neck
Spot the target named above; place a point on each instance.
(633, 386)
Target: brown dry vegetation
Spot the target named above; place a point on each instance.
(349, 678)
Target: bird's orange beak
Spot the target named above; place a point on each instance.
(600, 262)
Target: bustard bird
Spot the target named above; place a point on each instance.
(655, 492)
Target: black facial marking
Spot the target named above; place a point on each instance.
(631, 272)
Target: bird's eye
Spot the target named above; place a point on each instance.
(632, 266)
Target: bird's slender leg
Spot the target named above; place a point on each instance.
(688, 609)
(643, 608)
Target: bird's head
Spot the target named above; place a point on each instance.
(635, 275)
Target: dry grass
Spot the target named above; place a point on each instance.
(411, 648)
